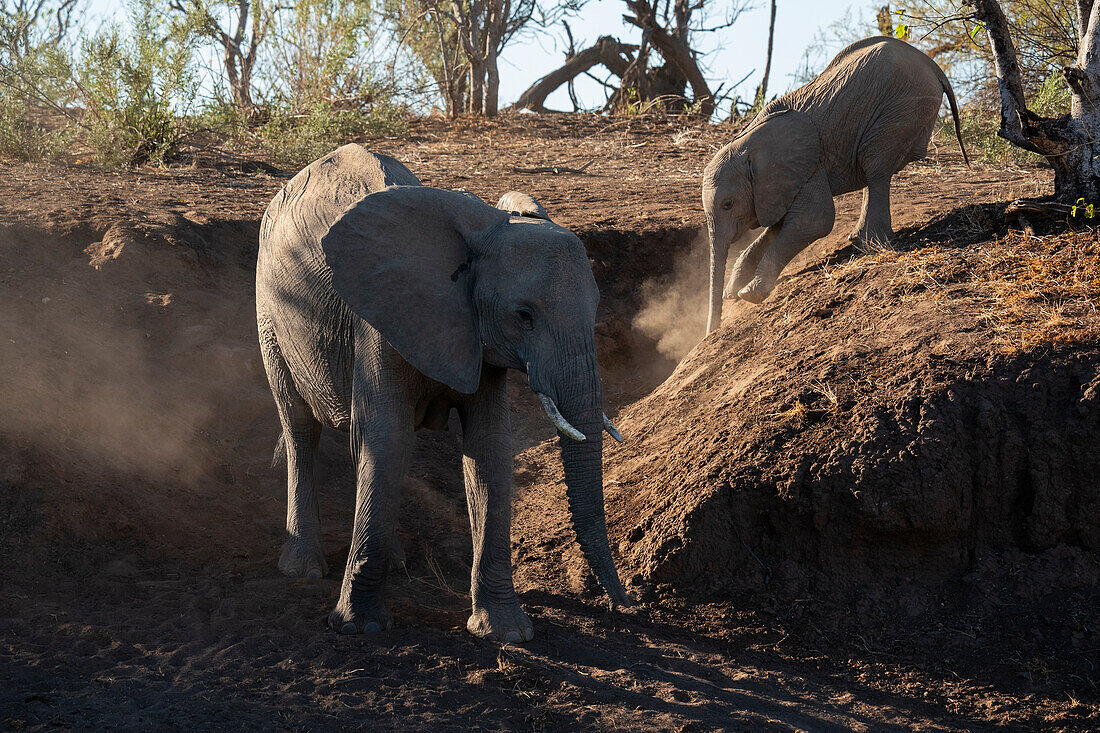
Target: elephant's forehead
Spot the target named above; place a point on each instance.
(539, 234)
(723, 164)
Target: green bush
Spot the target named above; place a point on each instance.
(35, 86)
(980, 125)
(129, 84)
(24, 138)
(299, 139)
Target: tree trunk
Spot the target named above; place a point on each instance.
(607, 51)
(762, 90)
(1070, 143)
(1082, 160)
(492, 81)
(476, 101)
(674, 48)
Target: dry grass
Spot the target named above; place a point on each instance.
(1033, 291)
(1043, 290)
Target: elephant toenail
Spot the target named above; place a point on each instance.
(313, 574)
(349, 628)
(372, 627)
(512, 637)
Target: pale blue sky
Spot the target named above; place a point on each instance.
(731, 53)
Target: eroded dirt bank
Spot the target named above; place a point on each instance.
(141, 515)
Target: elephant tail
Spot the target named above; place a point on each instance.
(954, 113)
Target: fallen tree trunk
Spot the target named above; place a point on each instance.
(607, 51)
(674, 48)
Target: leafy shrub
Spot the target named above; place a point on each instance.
(129, 84)
(299, 139)
(980, 125)
(24, 138)
(35, 85)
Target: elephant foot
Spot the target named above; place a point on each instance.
(739, 278)
(505, 623)
(302, 559)
(757, 291)
(364, 617)
(872, 238)
(730, 293)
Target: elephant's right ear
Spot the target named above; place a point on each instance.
(399, 258)
(784, 150)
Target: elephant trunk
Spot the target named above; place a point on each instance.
(581, 405)
(583, 465)
(719, 251)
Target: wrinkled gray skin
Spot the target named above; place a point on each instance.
(868, 114)
(382, 304)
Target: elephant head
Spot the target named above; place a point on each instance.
(751, 183)
(452, 283)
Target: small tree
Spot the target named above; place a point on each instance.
(430, 36)
(28, 26)
(482, 28)
(239, 40)
(668, 27)
(760, 99)
(1071, 143)
(318, 54)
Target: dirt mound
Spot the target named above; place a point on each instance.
(885, 421)
(140, 516)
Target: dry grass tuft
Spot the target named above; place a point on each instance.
(1043, 290)
(1032, 290)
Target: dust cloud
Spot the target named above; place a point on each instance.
(674, 304)
(102, 373)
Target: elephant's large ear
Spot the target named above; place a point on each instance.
(399, 259)
(784, 151)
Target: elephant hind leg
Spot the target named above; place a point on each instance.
(874, 229)
(302, 554)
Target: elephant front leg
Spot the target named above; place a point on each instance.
(744, 270)
(809, 217)
(381, 443)
(874, 229)
(487, 469)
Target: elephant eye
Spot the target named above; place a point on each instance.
(526, 317)
(727, 204)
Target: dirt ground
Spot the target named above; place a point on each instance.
(791, 576)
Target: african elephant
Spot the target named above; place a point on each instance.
(870, 112)
(381, 304)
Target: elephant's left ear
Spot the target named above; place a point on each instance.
(400, 259)
(784, 150)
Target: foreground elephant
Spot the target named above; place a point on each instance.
(870, 112)
(381, 304)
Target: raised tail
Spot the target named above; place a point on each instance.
(954, 114)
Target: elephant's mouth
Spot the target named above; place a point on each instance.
(566, 428)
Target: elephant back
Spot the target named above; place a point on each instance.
(874, 87)
(311, 202)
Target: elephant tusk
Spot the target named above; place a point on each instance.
(555, 417)
(611, 429)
